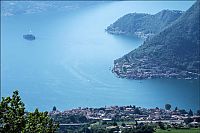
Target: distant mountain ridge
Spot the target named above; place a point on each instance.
(172, 53)
(143, 25)
(10, 8)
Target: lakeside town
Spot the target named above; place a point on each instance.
(111, 119)
(147, 69)
(121, 118)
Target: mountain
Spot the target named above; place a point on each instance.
(172, 53)
(10, 8)
(143, 25)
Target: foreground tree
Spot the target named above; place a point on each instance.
(39, 122)
(14, 120)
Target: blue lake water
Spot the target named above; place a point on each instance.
(69, 64)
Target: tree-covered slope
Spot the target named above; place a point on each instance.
(143, 25)
(174, 52)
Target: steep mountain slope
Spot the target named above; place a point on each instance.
(174, 52)
(143, 25)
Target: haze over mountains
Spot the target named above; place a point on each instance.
(10, 8)
(171, 53)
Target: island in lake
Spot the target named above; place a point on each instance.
(29, 37)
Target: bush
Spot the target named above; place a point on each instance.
(14, 120)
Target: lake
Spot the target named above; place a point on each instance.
(69, 64)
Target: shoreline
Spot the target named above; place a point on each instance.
(141, 70)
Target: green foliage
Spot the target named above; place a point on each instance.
(114, 123)
(161, 125)
(168, 106)
(145, 23)
(124, 69)
(137, 111)
(14, 120)
(98, 129)
(54, 108)
(167, 54)
(70, 118)
(192, 130)
(39, 122)
(183, 111)
(123, 125)
(198, 112)
(197, 120)
(12, 114)
(84, 130)
(190, 113)
(104, 123)
(140, 129)
(188, 120)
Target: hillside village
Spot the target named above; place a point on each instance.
(126, 117)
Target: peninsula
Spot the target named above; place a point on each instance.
(171, 53)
